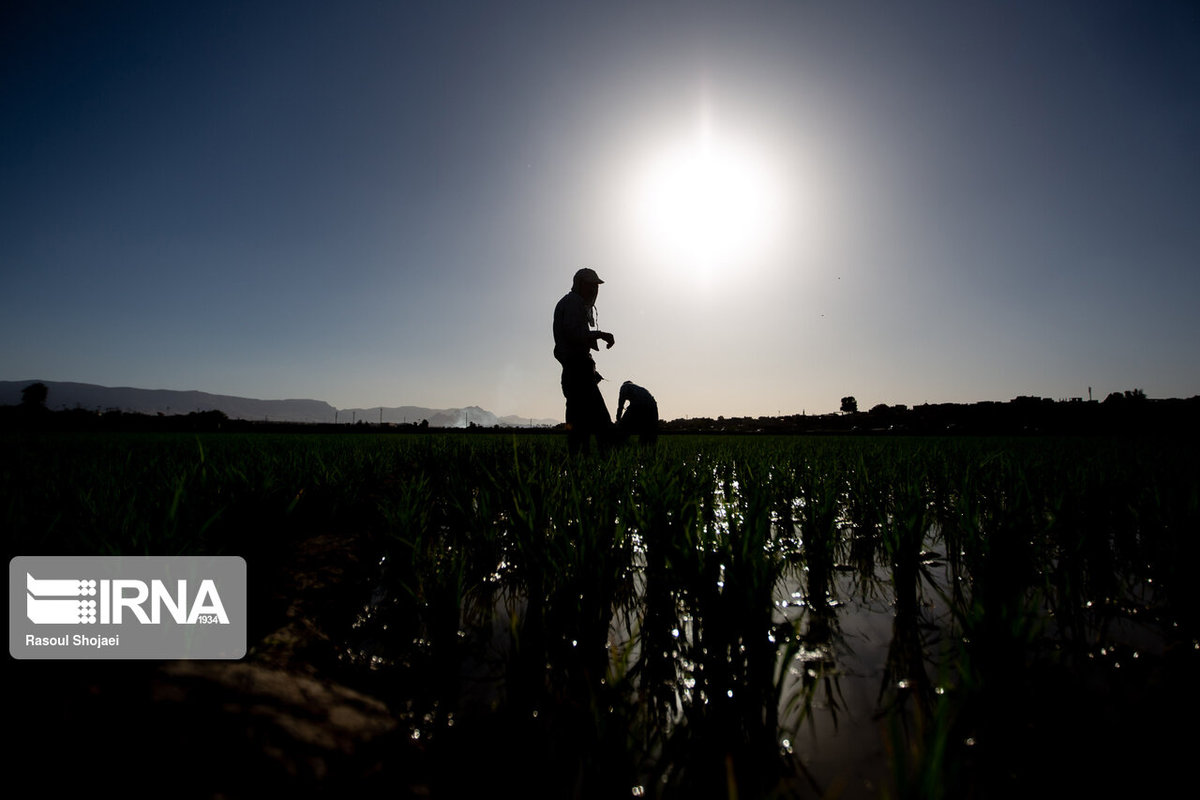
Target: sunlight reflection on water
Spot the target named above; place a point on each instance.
(852, 647)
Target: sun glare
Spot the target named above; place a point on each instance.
(705, 204)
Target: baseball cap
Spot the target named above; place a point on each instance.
(587, 275)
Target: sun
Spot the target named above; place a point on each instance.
(705, 203)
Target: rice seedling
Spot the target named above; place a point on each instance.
(695, 619)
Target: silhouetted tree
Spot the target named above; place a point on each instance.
(1129, 396)
(34, 395)
(849, 405)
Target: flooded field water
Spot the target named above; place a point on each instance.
(847, 640)
(724, 617)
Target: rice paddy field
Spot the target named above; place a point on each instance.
(750, 617)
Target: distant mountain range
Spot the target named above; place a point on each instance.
(66, 395)
(440, 418)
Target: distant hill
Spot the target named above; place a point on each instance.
(440, 418)
(66, 395)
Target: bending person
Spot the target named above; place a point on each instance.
(641, 418)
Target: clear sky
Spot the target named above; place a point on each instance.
(380, 203)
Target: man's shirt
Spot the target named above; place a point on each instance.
(572, 337)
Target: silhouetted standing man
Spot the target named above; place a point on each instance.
(574, 339)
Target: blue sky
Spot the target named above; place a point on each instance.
(379, 203)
